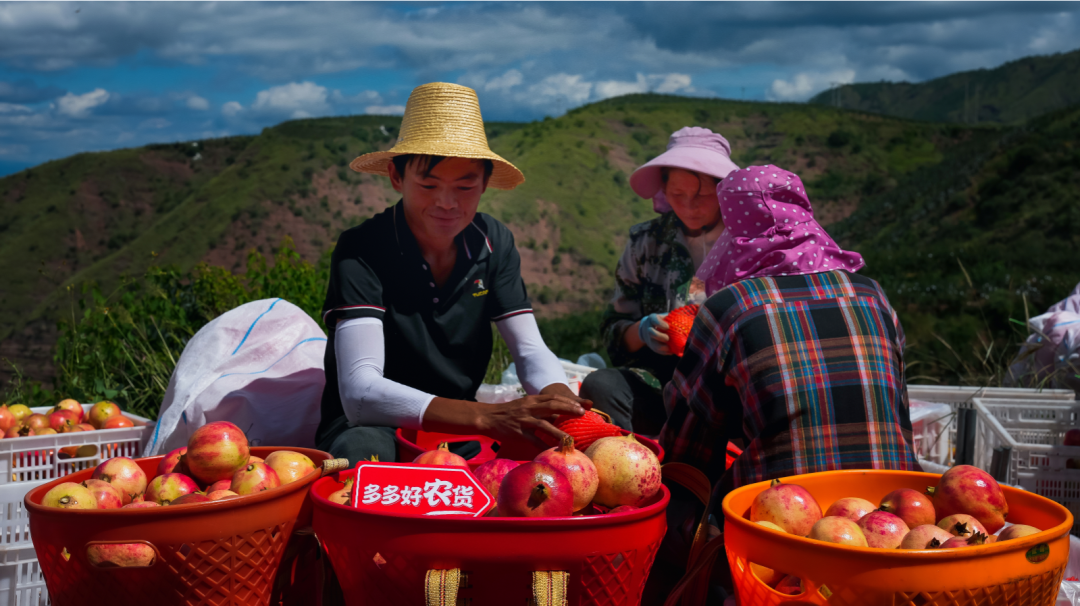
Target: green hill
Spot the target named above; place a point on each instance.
(1009, 94)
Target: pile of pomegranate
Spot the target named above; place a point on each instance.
(215, 465)
(614, 474)
(965, 509)
(18, 421)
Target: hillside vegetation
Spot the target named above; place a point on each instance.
(1009, 94)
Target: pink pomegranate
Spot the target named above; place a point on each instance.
(117, 422)
(141, 505)
(790, 585)
(623, 509)
(491, 474)
(165, 489)
(577, 468)
(121, 555)
(171, 462)
(961, 525)
(770, 525)
(1016, 531)
(956, 542)
(216, 451)
(125, 475)
(18, 432)
(69, 495)
(255, 459)
(7, 419)
(73, 406)
(883, 530)
(219, 495)
(912, 506)
(970, 490)
(107, 496)
(926, 536)
(789, 506)
(343, 496)
(256, 477)
(441, 456)
(629, 473)
(36, 421)
(219, 485)
(535, 490)
(101, 412)
(851, 508)
(62, 419)
(834, 529)
(290, 466)
(191, 498)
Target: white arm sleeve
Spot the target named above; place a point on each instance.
(537, 367)
(368, 397)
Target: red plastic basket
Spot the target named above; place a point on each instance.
(412, 442)
(385, 559)
(220, 553)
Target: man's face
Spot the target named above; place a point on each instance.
(442, 204)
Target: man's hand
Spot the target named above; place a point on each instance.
(519, 420)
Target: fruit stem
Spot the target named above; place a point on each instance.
(538, 495)
(444, 446)
(930, 490)
(567, 446)
(774, 483)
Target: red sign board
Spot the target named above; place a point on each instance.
(427, 490)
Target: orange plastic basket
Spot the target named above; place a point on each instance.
(1020, 572)
(387, 559)
(411, 443)
(215, 554)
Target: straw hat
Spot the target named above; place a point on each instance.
(442, 119)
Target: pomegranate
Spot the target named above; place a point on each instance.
(216, 451)
(790, 585)
(7, 419)
(926, 536)
(789, 506)
(73, 406)
(171, 460)
(256, 477)
(441, 456)
(101, 412)
(69, 495)
(191, 498)
(19, 432)
(141, 505)
(72, 429)
(86, 426)
(166, 488)
(577, 468)
(1071, 438)
(1016, 531)
(48, 431)
(629, 473)
(117, 422)
(535, 490)
(255, 459)
(767, 575)
(219, 485)
(623, 509)
(768, 524)
(21, 411)
(219, 495)
(912, 506)
(107, 496)
(36, 421)
(121, 555)
(970, 490)
(961, 525)
(290, 466)
(976, 539)
(834, 529)
(491, 474)
(343, 496)
(62, 418)
(883, 530)
(851, 508)
(125, 475)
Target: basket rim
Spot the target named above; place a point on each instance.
(903, 555)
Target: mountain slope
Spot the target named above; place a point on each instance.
(1009, 94)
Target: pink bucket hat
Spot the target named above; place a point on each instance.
(769, 231)
(690, 148)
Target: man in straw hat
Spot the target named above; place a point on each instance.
(412, 292)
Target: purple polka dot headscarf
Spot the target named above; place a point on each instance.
(769, 230)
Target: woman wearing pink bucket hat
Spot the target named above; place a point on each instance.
(656, 275)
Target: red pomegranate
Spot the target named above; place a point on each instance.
(970, 490)
(841, 531)
(125, 475)
(216, 451)
(61, 420)
(141, 505)
(219, 485)
(107, 496)
(535, 490)
(290, 466)
(441, 456)
(1016, 531)
(101, 412)
(220, 495)
(961, 525)
(491, 474)
(577, 468)
(191, 498)
(883, 529)
(117, 422)
(169, 487)
(1072, 438)
(36, 421)
(121, 555)
(629, 473)
(852, 508)
(789, 506)
(912, 506)
(926, 536)
(171, 462)
(73, 406)
(255, 477)
(790, 585)
(7, 419)
(623, 509)
(976, 539)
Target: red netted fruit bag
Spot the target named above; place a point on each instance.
(679, 322)
(585, 429)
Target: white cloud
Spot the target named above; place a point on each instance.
(11, 108)
(155, 124)
(385, 110)
(805, 84)
(231, 108)
(78, 106)
(504, 82)
(365, 97)
(297, 99)
(198, 103)
(569, 88)
(657, 83)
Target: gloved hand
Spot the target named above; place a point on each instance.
(649, 331)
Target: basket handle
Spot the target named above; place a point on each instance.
(441, 587)
(549, 587)
(332, 465)
(703, 551)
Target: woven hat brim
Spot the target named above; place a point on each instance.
(504, 175)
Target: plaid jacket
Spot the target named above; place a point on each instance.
(808, 370)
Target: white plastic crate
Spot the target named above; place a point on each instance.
(1033, 432)
(1060, 486)
(21, 581)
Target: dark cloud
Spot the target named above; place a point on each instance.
(26, 91)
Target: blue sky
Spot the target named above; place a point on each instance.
(87, 76)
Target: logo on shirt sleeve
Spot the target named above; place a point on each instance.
(480, 290)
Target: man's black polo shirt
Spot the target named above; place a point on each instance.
(438, 339)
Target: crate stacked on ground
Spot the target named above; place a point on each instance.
(29, 462)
